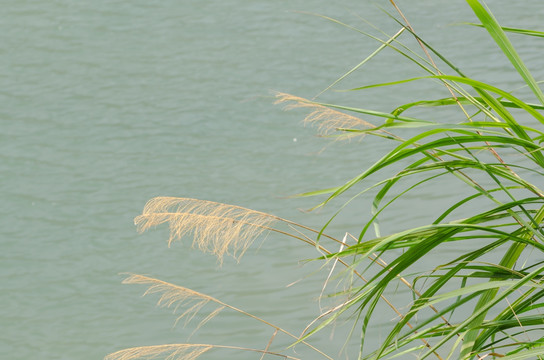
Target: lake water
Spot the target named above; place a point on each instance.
(106, 104)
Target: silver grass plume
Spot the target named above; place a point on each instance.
(326, 119)
(180, 352)
(171, 351)
(174, 295)
(217, 228)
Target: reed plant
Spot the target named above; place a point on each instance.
(482, 301)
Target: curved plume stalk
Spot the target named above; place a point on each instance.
(217, 228)
(175, 295)
(327, 120)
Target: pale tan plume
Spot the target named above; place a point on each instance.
(170, 351)
(326, 119)
(180, 352)
(174, 295)
(216, 228)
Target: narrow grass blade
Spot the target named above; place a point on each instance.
(513, 30)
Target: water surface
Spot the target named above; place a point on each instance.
(106, 104)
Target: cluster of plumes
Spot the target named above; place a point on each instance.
(177, 296)
(326, 119)
(216, 228)
(170, 351)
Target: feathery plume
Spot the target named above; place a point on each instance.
(180, 352)
(328, 120)
(217, 228)
(171, 351)
(174, 295)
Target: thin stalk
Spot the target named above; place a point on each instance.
(269, 343)
(380, 48)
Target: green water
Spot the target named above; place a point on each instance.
(106, 104)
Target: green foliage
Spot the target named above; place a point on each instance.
(483, 301)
